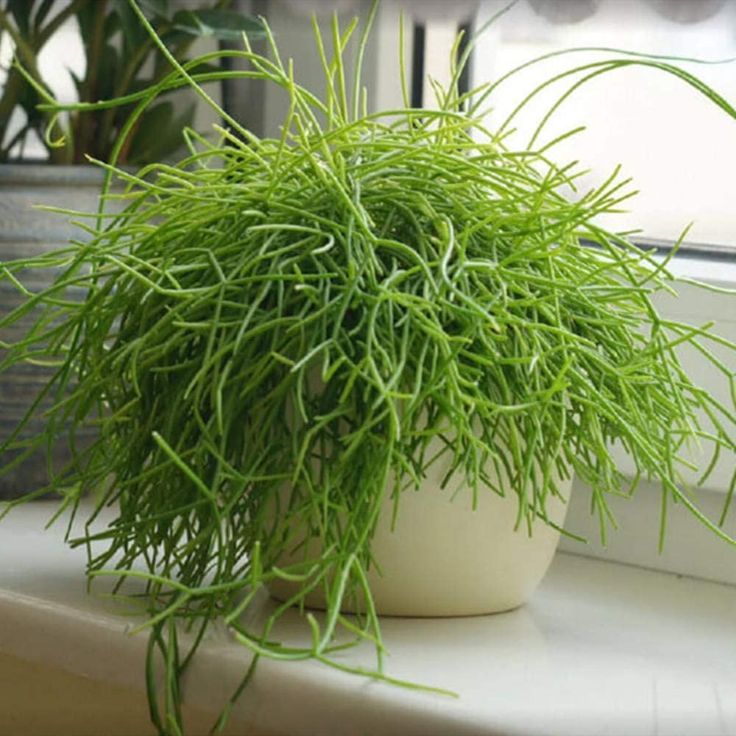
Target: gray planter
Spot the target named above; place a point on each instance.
(23, 232)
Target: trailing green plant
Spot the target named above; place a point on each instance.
(120, 58)
(275, 331)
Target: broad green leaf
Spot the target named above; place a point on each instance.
(134, 34)
(21, 12)
(224, 25)
(108, 73)
(28, 100)
(172, 142)
(157, 131)
(78, 81)
(156, 8)
(42, 11)
(112, 25)
(86, 21)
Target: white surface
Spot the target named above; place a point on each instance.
(690, 548)
(601, 649)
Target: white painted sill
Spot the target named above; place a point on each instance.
(602, 649)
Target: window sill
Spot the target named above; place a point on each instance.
(689, 549)
(602, 648)
(717, 271)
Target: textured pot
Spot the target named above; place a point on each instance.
(25, 231)
(444, 558)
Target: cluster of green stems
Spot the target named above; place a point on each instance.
(275, 331)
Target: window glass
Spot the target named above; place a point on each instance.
(678, 147)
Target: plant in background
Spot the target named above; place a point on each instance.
(120, 59)
(276, 332)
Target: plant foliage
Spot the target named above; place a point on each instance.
(120, 58)
(274, 328)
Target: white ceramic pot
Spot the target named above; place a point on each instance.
(444, 558)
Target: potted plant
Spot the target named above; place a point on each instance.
(119, 59)
(291, 347)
